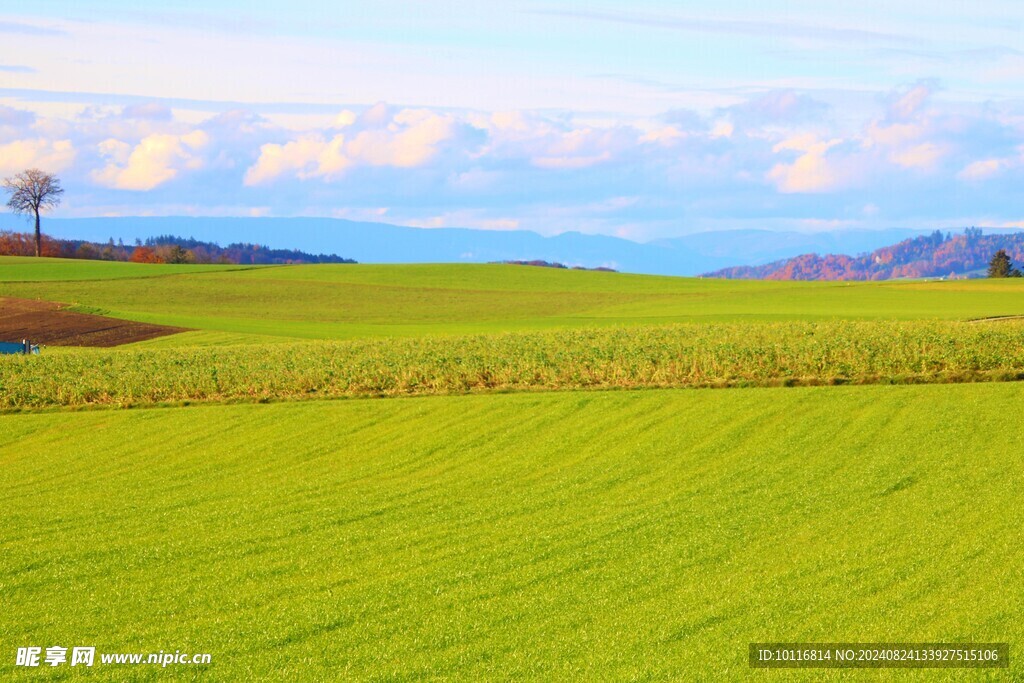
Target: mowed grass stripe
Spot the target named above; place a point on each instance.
(623, 535)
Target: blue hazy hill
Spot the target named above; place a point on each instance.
(384, 243)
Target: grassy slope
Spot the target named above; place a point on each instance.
(558, 536)
(343, 302)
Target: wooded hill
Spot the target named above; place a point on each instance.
(161, 249)
(936, 255)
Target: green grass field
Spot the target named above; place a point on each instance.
(362, 301)
(613, 536)
(563, 535)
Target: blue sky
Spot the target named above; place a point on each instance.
(644, 121)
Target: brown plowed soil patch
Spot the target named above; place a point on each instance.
(45, 322)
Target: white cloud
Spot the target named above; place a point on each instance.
(909, 102)
(408, 139)
(576, 148)
(924, 156)
(544, 171)
(116, 151)
(510, 121)
(812, 171)
(777, 107)
(331, 161)
(983, 169)
(275, 160)
(667, 135)
(155, 160)
(411, 140)
(723, 129)
(49, 155)
(894, 134)
(345, 119)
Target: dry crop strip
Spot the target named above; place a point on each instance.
(684, 355)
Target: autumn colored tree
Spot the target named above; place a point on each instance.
(15, 244)
(175, 253)
(33, 191)
(145, 255)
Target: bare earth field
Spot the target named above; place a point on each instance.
(46, 322)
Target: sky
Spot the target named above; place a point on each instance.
(644, 120)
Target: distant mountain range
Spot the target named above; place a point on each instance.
(383, 243)
(934, 255)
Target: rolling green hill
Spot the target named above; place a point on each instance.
(359, 301)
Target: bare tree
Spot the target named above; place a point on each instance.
(33, 191)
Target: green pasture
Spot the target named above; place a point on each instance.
(362, 301)
(565, 536)
(539, 535)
